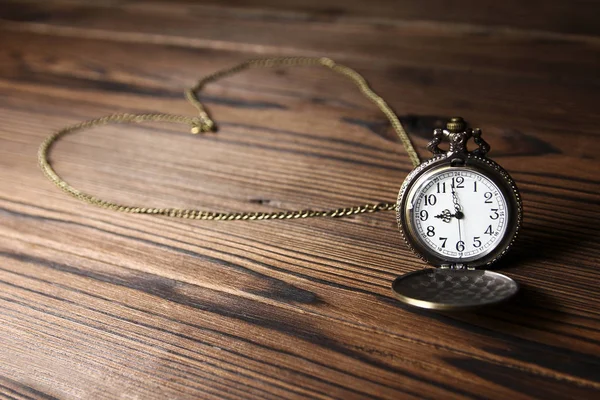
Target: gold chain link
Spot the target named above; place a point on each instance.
(203, 123)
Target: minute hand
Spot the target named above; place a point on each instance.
(457, 208)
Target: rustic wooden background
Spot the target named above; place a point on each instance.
(96, 304)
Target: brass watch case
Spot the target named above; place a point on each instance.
(476, 163)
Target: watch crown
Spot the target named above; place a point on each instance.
(456, 124)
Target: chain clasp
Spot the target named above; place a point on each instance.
(202, 124)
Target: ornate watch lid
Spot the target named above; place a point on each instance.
(453, 289)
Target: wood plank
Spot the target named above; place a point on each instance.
(545, 104)
(459, 70)
(498, 51)
(565, 17)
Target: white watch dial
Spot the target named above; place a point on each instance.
(458, 214)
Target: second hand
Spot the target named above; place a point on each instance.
(459, 232)
(458, 214)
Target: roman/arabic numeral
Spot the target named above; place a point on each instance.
(476, 241)
(423, 215)
(488, 230)
(495, 214)
(458, 182)
(430, 231)
(460, 246)
(444, 242)
(430, 200)
(488, 197)
(475, 186)
(441, 187)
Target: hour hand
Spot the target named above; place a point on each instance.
(445, 216)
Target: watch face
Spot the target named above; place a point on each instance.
(466, 215)
(457, 213)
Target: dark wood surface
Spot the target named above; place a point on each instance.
(96, 304)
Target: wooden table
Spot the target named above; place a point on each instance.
(96, 304)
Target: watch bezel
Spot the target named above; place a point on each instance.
(482, 165)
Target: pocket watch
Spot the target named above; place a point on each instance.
(460, 212)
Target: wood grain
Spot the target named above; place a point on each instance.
(96, 304)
